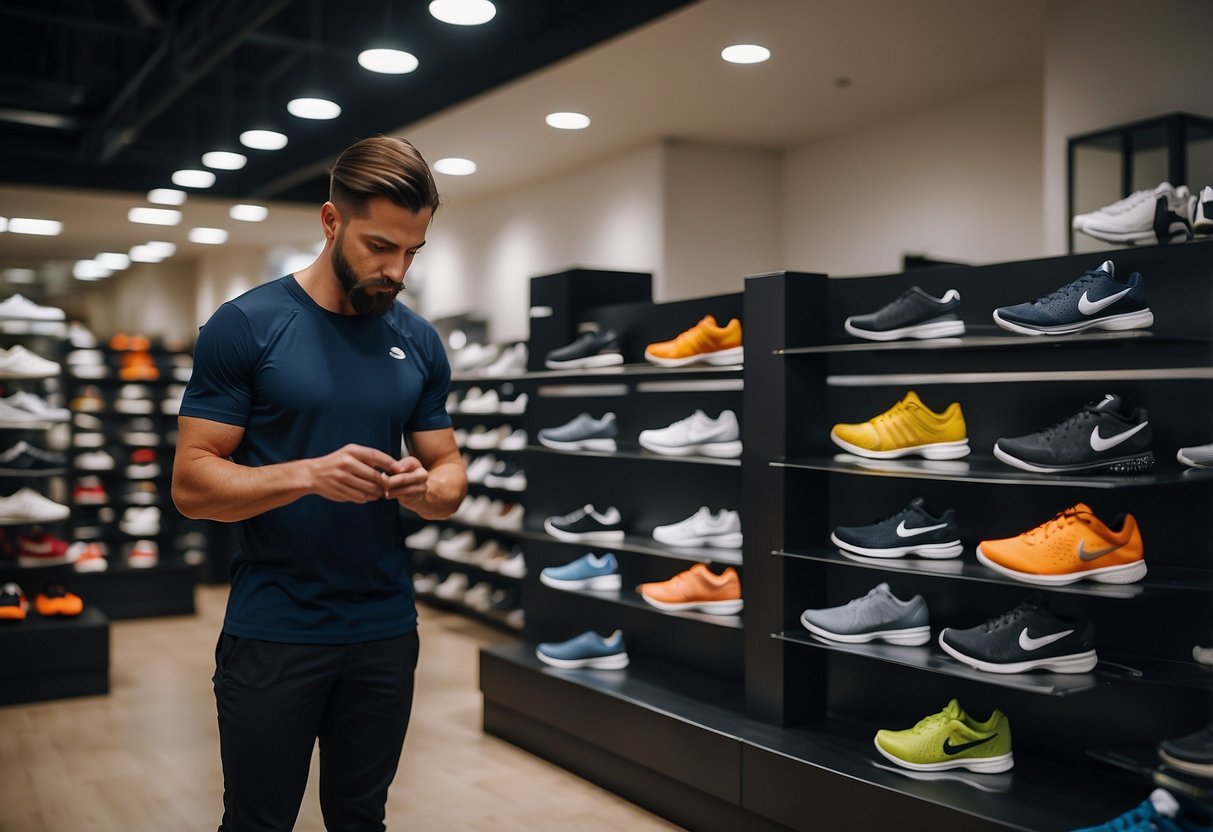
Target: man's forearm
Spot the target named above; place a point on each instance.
(219, 489)
(445, 489)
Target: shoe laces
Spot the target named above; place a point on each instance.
(575, 515)
(1068, 289)
(1069, 424)
(1006, 618)
(872, 593)
(1055, 524)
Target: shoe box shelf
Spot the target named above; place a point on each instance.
(54, 658)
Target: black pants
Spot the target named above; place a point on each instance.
(275, 700)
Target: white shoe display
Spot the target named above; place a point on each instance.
(28, 506)
(512, 407)
(1202, 214)
(95, 460)
(514, 441)
(453, 588)
(514, 566)
(423, 538)
(512, 361)
(20, 308)
(33, 405)
(703, 529)
(481, 438)
(19, 362)
(480, 467)
(143, 555)
(477, 401)
(138, 520)
(1162, 214)
(474, 356)
(697, 434)
(456, 547)
(507, 517)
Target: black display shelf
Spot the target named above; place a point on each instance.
(648, 546)
(124, 592)
(978, 468)
(1144, 762)
(987, 337)
(33, 475)
(471, 569)
(618, 371)
(489, 616)
(1159, 579)
(1152, 671)
(631, 598)
(54, 658)
(492, 491)
(632, 450)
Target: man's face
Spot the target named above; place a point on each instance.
(371, 254)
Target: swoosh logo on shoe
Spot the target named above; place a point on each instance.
(1103, 443)
(902, 531)
(1029, 643)
(951, 750)
(1084, 555)
(1090, 307)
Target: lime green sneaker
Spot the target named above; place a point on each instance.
(951, 739)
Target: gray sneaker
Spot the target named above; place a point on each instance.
(584, 433)
(878, 615)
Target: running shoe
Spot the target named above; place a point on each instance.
(582, 433)
(13, 606)
(1197, 456)
(1030, 637)
(1202, 217)
(589, 571)
(590, 349)
(1097, 300)
(19, 362)
(1163, 215)
(588, 650)
(698, 589)
(20, 308)
(507, 475)
(697, 434)
(35, 406)
(911, 531)
(1193, 753)
(144, 554)
(914, 314)
(879, 615)
(55, 600)
(1160, 812)
(950, 739)
(41, 549)
(703, 528)
(30, 460)
(908, 427)
(706, 342)
(1072, 545)
(586, 524)
(1100, 438)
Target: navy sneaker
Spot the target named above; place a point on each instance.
(586, 650)
(1099, 438)
(587, 572)
(911, 531)
(1097, 300)
(1029, 637)
(914, 314)
(583, 433)
(591, 349)
(1193, 753)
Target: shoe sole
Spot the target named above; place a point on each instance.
(718, 450)
(1190, 462)
(614, 536)
(85, 567)
(1142, 319)
(986, 765)
(1199, 769)
(734, 355)
(935, 329)
(1073, 663)
(730, 607)
(716, 541)
(909, 636)
(599, 582)
(1136, 464)
(608, 359)
(579, 444)
(937, 551)
(1127, 573)
(931, 450)
(616, 662)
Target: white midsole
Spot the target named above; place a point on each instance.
(1121, 574)
(615, 662)
(597, 582)
(909, 636)
(932, 329)
(988, 765)
(1074, 663)
(1129, 320)
(931, 450)
(926, 550)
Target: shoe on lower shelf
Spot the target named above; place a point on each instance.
(13, 605)
(1192, 754)
(950, 739)
(1030, 637)
(588, 650)
(55, 600)
(698, 589)
(1160, 812)
(589, 571)
(878, 616)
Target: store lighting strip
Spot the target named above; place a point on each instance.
(1194, 373)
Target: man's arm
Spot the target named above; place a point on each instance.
(432, 482)
(208, 485)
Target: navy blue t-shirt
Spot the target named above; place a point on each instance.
(303, 382)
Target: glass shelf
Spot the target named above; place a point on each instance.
(617, 371)
(632, 450)
(984, 337)
(1145, 763)
(631, 598)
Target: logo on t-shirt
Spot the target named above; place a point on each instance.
(397, 353)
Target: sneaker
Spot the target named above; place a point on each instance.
(707, 341)
(950, 739)
(475, 356)
(24, 458)
(514, 406)
(1160, 812)
(95, 461)
(138, 366)
(424, 584)
(88, 556)
(15, 417)
(13, 606)
(88, 440)
(1162, 216)
(480, 468)
(1099, 438)
(80, 337)
(88, 401)
(142, 466)
(477, 510)
(878, 615)
(140, 521)
(89, 491)
(512, 361)
(55, 600)
(513, 441)
(456, 546)
(1131, 203)
(583, 433)
(41, 549)
(28, 506)
(1073, 545)
(697, 589)
(911, 531)
(144, 554)
(453, 588)
(507, 517)
(914, 314)
(33, 405)
(1193, 753)
(479, 401)
(586, 650)
(134, 399)
(123, 341)
(1202, 655)
(140, 431)
(908, 427)
(1197, 456)
(21, 363)
(590, 349)
(1097, 300)
(703, 528)
(697, 434)
(1202, 217)
(481, 438)
(486, 551)
(1029, 637)
(18, 308)
(585, 524)
(141, 493)
(589, 571)
(424, 538)
(506, 475)
(479, 597)
(513, 566)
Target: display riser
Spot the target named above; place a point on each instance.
(121, 592)
(54, 658)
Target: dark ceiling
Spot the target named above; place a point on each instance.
(117, 94)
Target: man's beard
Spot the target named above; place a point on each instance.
(366, 296)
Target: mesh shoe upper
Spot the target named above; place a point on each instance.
(1029, 632)
(1072, 542)
(1098, 434)
(912, 525)
(705, 337)
(1094, 296)
(908, 423)
(913, 306)
(950, 735)
(879, 610)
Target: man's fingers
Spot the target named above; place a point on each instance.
(372, 457)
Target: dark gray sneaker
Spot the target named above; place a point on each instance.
(914, 314)
(878, 615)
(583, 433)
(1099, 438)
(591, 349)
(911, 531)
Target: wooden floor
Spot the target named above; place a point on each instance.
(146, 757)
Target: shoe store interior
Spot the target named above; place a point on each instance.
(833, 380)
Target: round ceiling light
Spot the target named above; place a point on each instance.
(193, 178)
(454, 166)
(745, 53)
(388, 61)
(208, 236)
(166, 196)
(567, 121)
(263, 139)
(320, 109)
(224, 160)
(463, 12)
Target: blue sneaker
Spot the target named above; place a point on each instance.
(1097, 300)
(587, 572)
(1160, 812)
(586, 650)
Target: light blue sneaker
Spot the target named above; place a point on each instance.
(586, 650)
(587, 572)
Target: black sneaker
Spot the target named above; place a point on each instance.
(1097, 300)
(586, 524)
(914, 314)
(1193, 753)
(591, 349)
(1099, 438)
(1029, 637)
(911, 531)
(24, 458)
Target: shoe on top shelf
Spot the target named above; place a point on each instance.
(590, 349)
(697, 434)
(913, 314)
(1096, 300)
(19, 362)
(1202, 215)
(706, 342)
(1160, 215)
(1196, 456)
(20, 308)
(879, 615)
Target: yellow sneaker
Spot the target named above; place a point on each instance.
(908, 427)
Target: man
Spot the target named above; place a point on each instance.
(291, 426)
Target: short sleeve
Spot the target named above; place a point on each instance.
(430, 413)
(221, 386)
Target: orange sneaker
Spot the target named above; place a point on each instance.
(138, 366)
(707, 341)
(698, 588)
(1073, 545)
(56, 600)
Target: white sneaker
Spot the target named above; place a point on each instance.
(514, 566)
(512, 361)
(474, 356)
(513, 407)
(1202, 215)
(697, 434)
(16, 417)
(486, 402)
(21, 363)
(95, 461)
(514, 441)
(18, 308)
(143, 555)
(423, 584)
(478, 510)
(138, 520)
(35, 406)
(453, 588)
(703, 529)
(508, 517)
(28, 506)
(423, 538)
(481, 438)
(480, 467)
(134, 399)
(478, 556)
(479, 597)
(80, 337)
(88, 440)
(1197, 456)
(1160, 215)
(457, 546)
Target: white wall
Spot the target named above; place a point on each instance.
(957, 182)
(1108, 62)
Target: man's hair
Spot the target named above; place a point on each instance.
(382, 166)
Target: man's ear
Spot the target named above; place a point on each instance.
(330, 218)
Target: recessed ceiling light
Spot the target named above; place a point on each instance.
(208, 236)
(463, 12)
(154, 216)
(89, 270)
(315, 108)
(162, 249)
(20, 275)
(745, 53)
(224, 160)
(144, 254)
(455, 166)
(42, 228)
(166, 196)
(193, 178)
(113, 261)
(248, 213)
(567, 121)
(388, 61)
(263, 139)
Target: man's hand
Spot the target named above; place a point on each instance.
(352, 474)
(407, 482)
